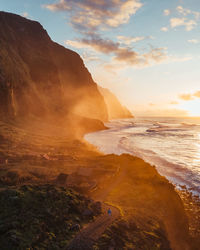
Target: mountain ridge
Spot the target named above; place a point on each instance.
(41, 77)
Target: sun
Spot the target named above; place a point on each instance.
(192, 107)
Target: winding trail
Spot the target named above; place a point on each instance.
(92, 232)
(85, 239)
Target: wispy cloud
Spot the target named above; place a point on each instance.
(189, 24)
(119, 53)
(174, 103)
(197, 94)
(165, 29)
(129, 40)
(186, 97)
(186, 12)
(185, 17)
(189, 97)
(166, 12)
(90, 15)
(194, 41)
(88, 57)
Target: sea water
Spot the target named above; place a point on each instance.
(172, 145)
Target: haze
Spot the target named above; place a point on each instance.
(146, 52)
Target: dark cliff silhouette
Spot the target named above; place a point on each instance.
(40, 77)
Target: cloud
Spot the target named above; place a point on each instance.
(125, 56)
(186, 97)
(194, 41)
(93, 15)
(120, 54)
(174, 22)
(165, 29)
(128, 40)
(186, 12)
(174, 103)
(189, 24)
(183, 11)
(90, 17)
(156, 55)
(180, 59)
(186, 17)
(88, 57)
(197, 94)
(77, 44)
(189, 97)
(166, 12)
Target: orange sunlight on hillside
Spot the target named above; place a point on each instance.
(193, 107)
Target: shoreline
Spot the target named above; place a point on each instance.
(189, 197)
(118, 150)
(137, 187)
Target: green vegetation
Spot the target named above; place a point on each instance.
(127, 235)
(41, 217)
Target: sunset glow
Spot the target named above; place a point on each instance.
(143, 51)
(100, 124)
(193, 107)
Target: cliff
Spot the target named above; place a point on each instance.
(115, 109)
(43, 79)
(40, 77)
(153, 211)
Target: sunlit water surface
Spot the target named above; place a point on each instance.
(171, 144)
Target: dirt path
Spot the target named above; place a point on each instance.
(88, 235)
(92, 232)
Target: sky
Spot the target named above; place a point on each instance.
(147, 52)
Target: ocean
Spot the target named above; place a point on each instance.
(172, 145)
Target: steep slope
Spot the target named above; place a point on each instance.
(41, 78)
(115, 109)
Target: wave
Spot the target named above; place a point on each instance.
(170, 145)
(189, 124)
(177, 173)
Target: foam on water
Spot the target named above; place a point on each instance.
(171, 144)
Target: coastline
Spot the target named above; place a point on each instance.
(190, 200)
(126, 136)
(126, 181)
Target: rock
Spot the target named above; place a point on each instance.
(47, 79)
(62, 179)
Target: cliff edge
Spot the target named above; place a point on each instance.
(40, 77)
(115, 109)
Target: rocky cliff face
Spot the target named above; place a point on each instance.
(41, 78)
(115, 109)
